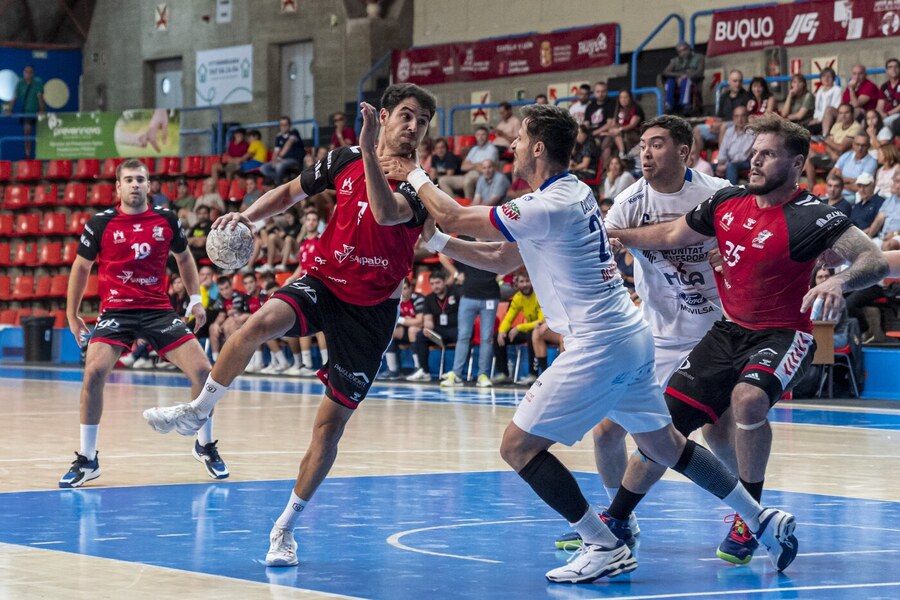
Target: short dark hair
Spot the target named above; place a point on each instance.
(544, 96)
(891, 60)
(395, 94)
(482, 128)
(584, 87)
(284, 118)
(835, 178)
(555, 127)
(441, 140)
(827, 70)
(240, 130)
(438, 274)
(505, 105)
(678, 128)
(224, 279)
(254, 133)
(795, 137)
(131, 163)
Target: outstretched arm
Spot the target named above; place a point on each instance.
(387, 207)
(496, 257)
(663, 236)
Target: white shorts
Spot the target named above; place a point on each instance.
(593, 380)
(668, 359)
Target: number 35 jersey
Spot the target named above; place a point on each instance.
(132, 251)
(677, 288)
(768, 254)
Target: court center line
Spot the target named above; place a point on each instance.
(777, 590)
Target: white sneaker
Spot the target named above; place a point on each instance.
(142, 363)
(420, 375)
(266, 268)
(483, 381)
(451, 380)
(166, 366)
(272, 369)
(282, 548)
(528, 379)
(254, 366)
(181, 417)
(776, 533)
(590, 562)
(127, 361)
(301, 371)
(500, 378)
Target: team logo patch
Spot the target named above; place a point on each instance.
(137, 227)
(760, 240)
(342, 256)
(347, 186)
(158, 233)
(750, 223)
(511, 211)
(727, 218)
(118, 236)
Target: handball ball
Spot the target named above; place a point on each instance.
(230, 248)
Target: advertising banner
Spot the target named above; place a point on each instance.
(802, 24)
(130, 133)
(224, 75)
(586, 47)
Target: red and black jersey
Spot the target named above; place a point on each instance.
(237, 301)
(131, 253)
(891, 93)
(306, 253)
(359, 260)
(768, 254)
(413, 306)
(254, 302)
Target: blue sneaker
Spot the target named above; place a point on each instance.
(776, 533)
(209, 456)
(739, 544)
(81, 471)
(621, 529)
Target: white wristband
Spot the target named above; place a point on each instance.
(402, 321)
(195, 300)
(417, 178)
(437, 241)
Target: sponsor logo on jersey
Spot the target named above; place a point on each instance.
(589, 204)
(88, 229)
(512, 212)
(108, 324)
(318, 172)
(768, 351)
(807, 23)
(749, 223)
(336, 280)
(752, 376)
(158, 233)
(726, 220)
(370, 261)
(118, 236)
(765, 362)
(760, 240)
(695, 299)
(85, 241)
(128, 276)
(822, 222)
(357, 378)
(637, 197)
(347, 186)
(137, 227)
(310, 292)
(176, 324)
(342, 256)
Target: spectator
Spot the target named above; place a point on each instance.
(184, 202)
(617, 178)
(585, 155)
(306, 250)
(30, 99)
(257, 153)
(605, 204)
(888, 158)
(230, 305)
(868, 203)
(157, 198)
(343, 135)
(600, 111)
(480, 296)
(235, 155)
(198, 233)
(839, 141)
(443, 162)
(211, 198)
(579, 105)
(629, 116)
(734, 152)
(491, 187)
(877, 132)
(507, 129)
(800, 104)
(889, 105)
(736, 95)
(251, 193)
(517, 189)
(828, 98)
(288, 152)
(281, 242)
(318, 154)
(541, 338)
(541, 99)
(854, 163)
(409, 323)
(440, 318)
(524, 302)
(761, 99)
(425, 152)
(834, 194)
(681, 80)
(861, 93)
(886, 225)
(698, 163)
(465, 183)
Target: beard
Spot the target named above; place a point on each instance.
(770, 183)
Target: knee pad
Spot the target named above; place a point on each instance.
(751, 426)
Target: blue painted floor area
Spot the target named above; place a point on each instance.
(465, 535)
(500, 396)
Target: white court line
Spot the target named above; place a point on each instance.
(854, 552)
(777, 590)
(109, 539)
(173, 534)
(394, 540)
(45, 543)
(237, 531)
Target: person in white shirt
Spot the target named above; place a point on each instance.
(734, 151)
(608, 366)
(828, 98)
(579, 106)
(617, 178)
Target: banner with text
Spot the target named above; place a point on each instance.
(130, 133)
(586, 47)
(224, 75)
(802, 24)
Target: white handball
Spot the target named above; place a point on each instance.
(230, 248)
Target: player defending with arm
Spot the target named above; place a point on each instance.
(351, 292)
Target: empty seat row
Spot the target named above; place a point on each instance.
(14, 316)
(43, 224)
(75, 193)
(32, 254)
(27, 287)
(94, 168)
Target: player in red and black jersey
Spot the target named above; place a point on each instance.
(130, 244)
(770, 236)
(351, 292)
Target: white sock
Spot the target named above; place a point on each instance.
(593, 531)
(89, 441)
(288, 518)
(393, 362)
(416, 361)
(611, 492)
(205, 433)
(306, 357)
(283, 358)
(257, 357)
(324, 354)
(215, 356)
(209, 396)
(744, 504)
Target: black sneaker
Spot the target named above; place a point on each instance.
(82, 471)
(209, 456)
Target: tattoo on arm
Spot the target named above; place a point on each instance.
(867, 264)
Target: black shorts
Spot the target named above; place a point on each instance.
(163, 329)
(773, 360)
(356, 336)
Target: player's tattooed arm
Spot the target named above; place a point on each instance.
(867, 263)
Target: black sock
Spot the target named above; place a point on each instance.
(555, 485)
(700, 466)
(542, 363)
(755, 489)
(624, 503)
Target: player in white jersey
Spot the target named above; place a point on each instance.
(678, 292)
(607, 368)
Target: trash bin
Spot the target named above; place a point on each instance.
(38, 335)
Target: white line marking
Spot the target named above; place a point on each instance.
(109, 539)
(236, 531)
(777, 590)
(46, 543)
(172, 534)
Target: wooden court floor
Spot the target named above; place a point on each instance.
(419, 505)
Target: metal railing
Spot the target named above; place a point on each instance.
(635, 90)
(216, 141)
(315, 128)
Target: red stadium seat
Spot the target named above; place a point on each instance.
(108, 168)
(208, 162)
(70, 251)
(169, 189)
(236, 190)
(54, 223)
(28, 224)
(169, 166)
(23, 287)
(22, 313)
(42, 286)
(8, 316)
(25, 255)
(86, 168)
(16, 196)
(5, 287)
(75, 194)
(60, 316)
(423, 286)
(28, 170)
(50, 254)
(58, 286)
(7, 225)
(150, 163)
(46, 195)
(5, 170)
(101, 195)
(192, 166)
(76, 223)
(223, 188)
(197, 190)
(92, 290)
(59, 169)
(5, 256)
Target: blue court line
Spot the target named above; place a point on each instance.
(386, 391)
(454, 535)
